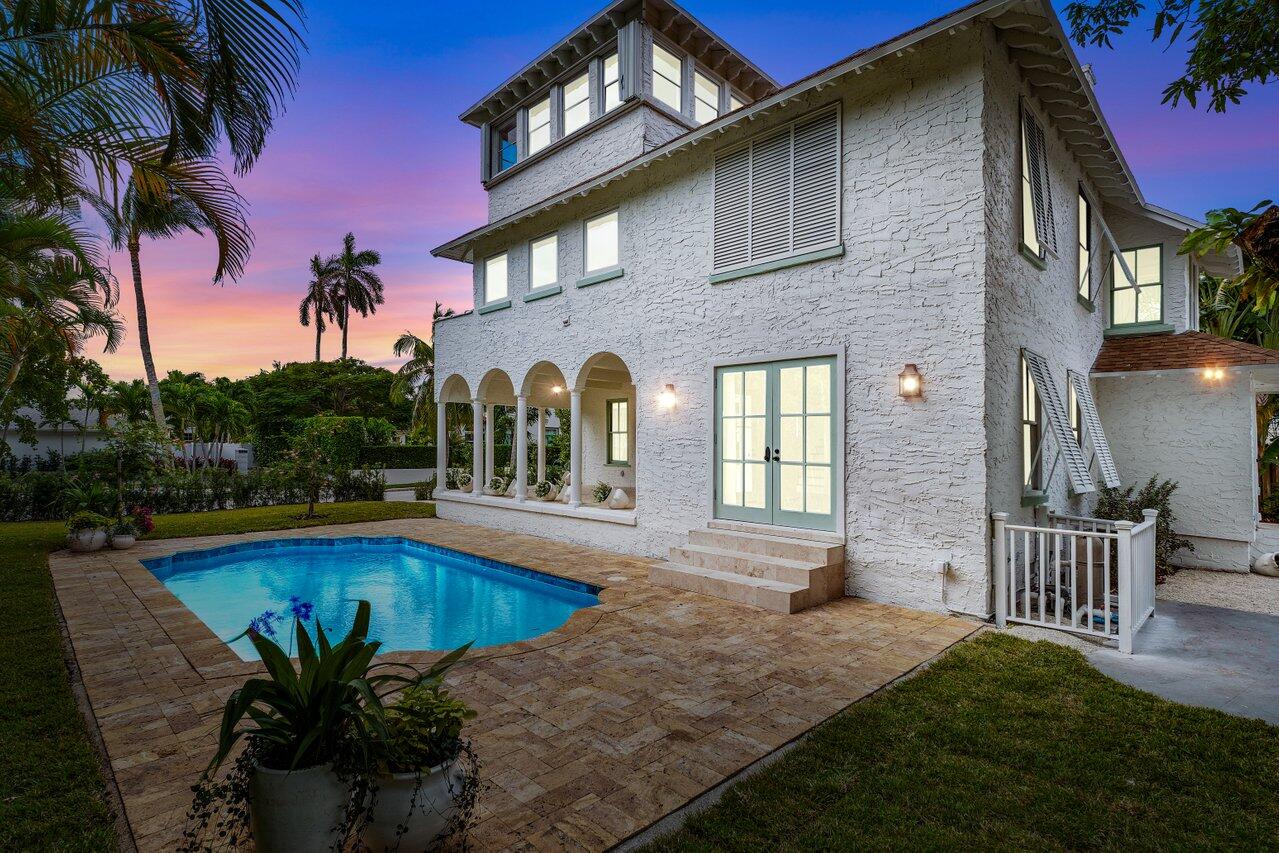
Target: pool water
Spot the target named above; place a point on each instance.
(423, 597)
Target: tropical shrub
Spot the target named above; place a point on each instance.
(423, 728)
(399, 455)
(343, 439)
(425, 491)
(1123, 505)
(362, 484)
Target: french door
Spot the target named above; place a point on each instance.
(775, 443)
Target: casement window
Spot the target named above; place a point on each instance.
(777, 195)
(611, 81)
(619, 434)
(705, 98)
(543, 262)
(539, 126)
(1085, 248)
(735, 103)
(667, 78)
(495, 288)
(1131, 305)
(601, 243)
(506, 149)
(1076, 416)
(1042, 405)
(577, 104)
(1038, 232)
(1032, 467)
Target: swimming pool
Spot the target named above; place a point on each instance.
(424, 597)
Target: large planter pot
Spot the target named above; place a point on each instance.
(424, 803)
(302, 810)
(123, 543)
(86, 540)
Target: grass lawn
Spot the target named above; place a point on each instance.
(1008, 744)
(51, 793)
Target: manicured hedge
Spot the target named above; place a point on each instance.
(399, 455)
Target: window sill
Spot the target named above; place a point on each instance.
(1138, 329)
(543, 292)
(617, 464)
(836, 251)
(1087, 303)
(490, 307)
(606, 274)
(1036, 260)
(1033, 499)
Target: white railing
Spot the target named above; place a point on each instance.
(1084, 575)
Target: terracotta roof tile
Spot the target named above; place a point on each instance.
(1187, 350)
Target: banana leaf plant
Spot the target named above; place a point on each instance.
(332, 704)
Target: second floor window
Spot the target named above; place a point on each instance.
(667, 78)
(705, 98)
(1085, 248)
(612, 83)
(577, 104)
(1130, 305)
(495, 279)
(1038, 233)
(506, 143)
(601, 242)
(544, 262)
(539, 126)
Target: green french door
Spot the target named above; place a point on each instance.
(775, 443)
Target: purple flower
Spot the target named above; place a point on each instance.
(264, 624)
(300, 609)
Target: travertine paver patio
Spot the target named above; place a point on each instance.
(586, 734)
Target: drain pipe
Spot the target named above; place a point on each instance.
(945, 568)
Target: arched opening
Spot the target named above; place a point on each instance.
(547, 394)
(606, 435)
(455, 414)
(497, 392)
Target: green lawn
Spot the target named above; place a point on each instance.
(51, 794)
(1008, 744)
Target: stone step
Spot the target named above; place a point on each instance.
(774, 530)
(742, 563)
(772, 545)
(758, 592)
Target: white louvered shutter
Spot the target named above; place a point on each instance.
(732, 208)
(1040, 185)
(770, 196)
(1092, 425)
(816, 178)
(1055, 408)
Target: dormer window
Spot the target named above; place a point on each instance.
(705, 98)
(539, 126)
(612, 81)
(506, 145)
(577, 104)
(667, 73)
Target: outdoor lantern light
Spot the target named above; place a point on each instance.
(910, 384)
(557, 389)
(1213, 373)
(667, 398)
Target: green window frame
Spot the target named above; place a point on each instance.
(618, 428)
(1139, 259)
(1032, 462)
(1085, 248)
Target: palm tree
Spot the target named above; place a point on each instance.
(416, 377)
(163, 200)
(355, 285)
(319, 299)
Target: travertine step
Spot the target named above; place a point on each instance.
(759, 592)
(790, 548)
(744, 563)
(773, 530)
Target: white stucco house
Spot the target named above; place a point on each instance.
(822, 332)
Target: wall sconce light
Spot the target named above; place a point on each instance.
(667, 399)
(910, 384)
(1213, 374)
(557, 389)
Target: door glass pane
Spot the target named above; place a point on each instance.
(756, 438)
(732, 437)
(732, 483)
(756, 485)
(818, 491)
(732, 394)
(817, 446)
(791, 498)
(792, 438)
(791, 381)
(756, 392)
(818, 389)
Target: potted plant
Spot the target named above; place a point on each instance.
(124, 533)
(87, 531)
(601, 492)
(496, 486)
(308, 732)
(421, 790)
(545, 491)
(464, 481)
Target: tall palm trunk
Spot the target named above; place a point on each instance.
(144, 335)
(346, 323)
(318, 331)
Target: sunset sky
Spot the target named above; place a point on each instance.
(373, 145)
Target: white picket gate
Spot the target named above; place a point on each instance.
(1084, 575)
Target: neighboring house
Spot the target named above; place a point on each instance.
(737, 288)
(81, 432)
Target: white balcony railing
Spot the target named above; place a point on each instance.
(1084, 575)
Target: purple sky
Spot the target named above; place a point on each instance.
(373, 145)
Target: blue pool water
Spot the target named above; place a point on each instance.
(424, 597)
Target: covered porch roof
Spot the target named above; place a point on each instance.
(1184, 351)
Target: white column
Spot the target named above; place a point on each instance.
(541, 444)
(575, 448)
(477, 447)
(441, 446)
(490, 430)
(521, 448)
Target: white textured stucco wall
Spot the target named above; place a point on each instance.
(1177, 426)
(909, 289)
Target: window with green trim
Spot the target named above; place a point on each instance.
(1031, 461)
(619, 432)
(1143, 303)
(1085, 247)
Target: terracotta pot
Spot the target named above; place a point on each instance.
(301, 810)
(424, 803)
(123, 542)
(86, 540)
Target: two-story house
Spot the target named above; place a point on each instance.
(819, 333)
